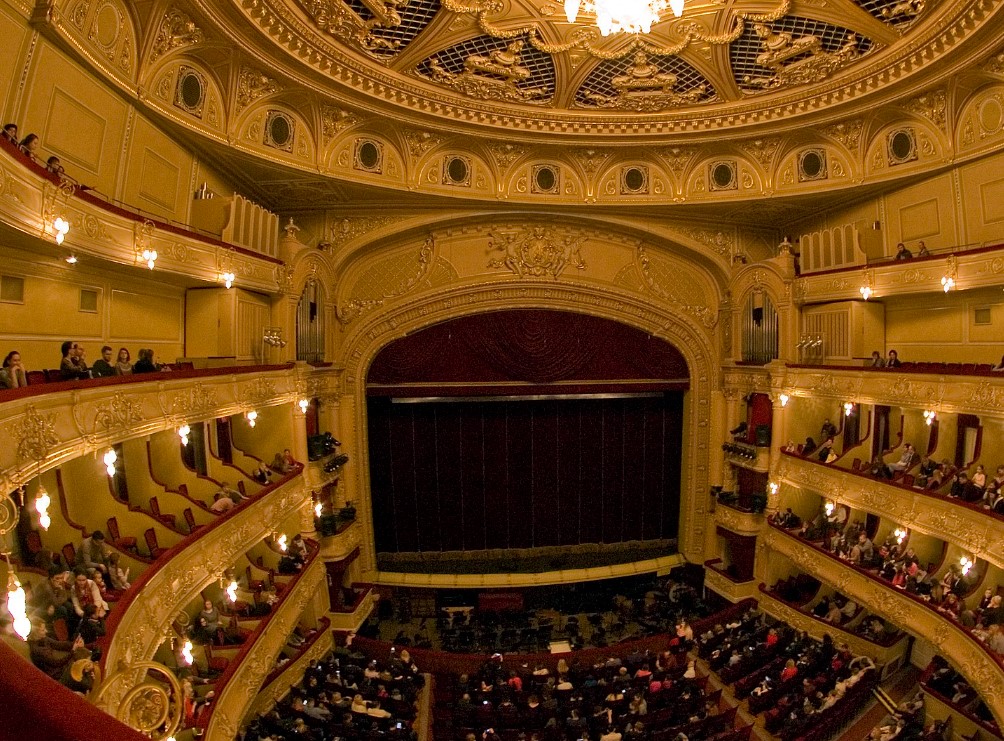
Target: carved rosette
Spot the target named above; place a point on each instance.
(35, 435)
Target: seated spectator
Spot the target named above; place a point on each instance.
(54, 166)
(10, 133)
(828, 430)
(118, 576)
(29, 147)
(288, 457)
(902, 253)
(877, 361)
(232, 494)
(79, 676)
(979, 479)
(221, 503)
(922, 250)
(145, 362)
(279, 464)
(963, 489)
(91, 554)
(48, 654)
(91, 626)
(906, 459)
(122, 366)
(893, 360)
(937, 477)
(809, 447)
(52, 599)
(262, 474)
(85, 592)
(207, 624)
(826, 453)
(70, 366)
(298, 548)
(12, 375)
(103, 368)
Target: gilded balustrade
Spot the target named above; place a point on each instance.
(235, 699)
(744, 523)
(276, 688)
(882, 655)
(66, 421)
(141, 625)
(731, 590)
(976, 531)
(32, 202)
(956, 644)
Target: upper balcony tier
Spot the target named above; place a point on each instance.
(54, 423)
(33, 199)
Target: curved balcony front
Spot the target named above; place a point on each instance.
(969, 656)
(738, 521)
(970, 527)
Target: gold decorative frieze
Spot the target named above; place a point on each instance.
(234, 701)
(744, 523)
(177, 30)
(727, 588)
(538, 252)
(391, 278)
(971, 659)
(796, 61)
(496, 75)
(253, 84)
(292, 674)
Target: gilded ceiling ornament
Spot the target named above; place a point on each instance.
(932, 105)
(346, 229)
(258, 391)
(796, 61)
(78, 14)
(252, 85)
(358, 305)
(994, 64)
(580, 38)
(672, 286)
(591, 160)
(536, 252)
(119, 412)
(334, 120)
(677, 158)
(505, 153)
(763, 150)
(340, 20)
(645, 87)
(721, 242)
(420, 142)
(35, 435)
(198, 398)
(177, 30)
(492, 76)
(907, 10)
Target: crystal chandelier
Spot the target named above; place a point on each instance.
(629, 16)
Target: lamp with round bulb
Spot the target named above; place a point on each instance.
(251, 417)
(149, 257)
(109, 459)
(784, 399)
(17, 603)
(227, 278)
(318, 509)
(930, 416)
(183, 432)
(61, 227)
(848, 408)
(282, 543)
(304, 404)
(966, 564)
(231, 590)
(42, 502)
(186, 653)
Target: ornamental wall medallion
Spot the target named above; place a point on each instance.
(538, 252)
(35, 435)
(177, 30)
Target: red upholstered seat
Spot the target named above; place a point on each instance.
(127, 543)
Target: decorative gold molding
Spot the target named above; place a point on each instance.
(745, 523)
(291, 674)
(957, 645)
(729, 589)
(235, 700)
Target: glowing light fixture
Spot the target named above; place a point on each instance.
(149, 257)
(773, 487)
(61, 227)
(930, 416)
(252, 417)
(17, 604)
(183, 432)
(71, 259)
(628, 16)
(227, 278)
(966, 565)
(110, 457)
(848, 408)
(318, 509)
(304, 403)
(866, 290)
(784, 399)
(232, 590)
(42, 502)
(947, 282)
(828, 508)
(951, 275)
(900, 534)
(186, 653)
(281, 542)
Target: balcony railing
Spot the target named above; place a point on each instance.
(970, 657)
(280, 679)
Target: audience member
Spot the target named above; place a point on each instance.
(877, 360)
(221, 503)
(29, 147)
(902, 253)
(12, 375)
(70, 366)
(893, 360)
(103, 367)
(91, 554)
(122, 366)
(54, 166)
(922, 250)
(145, 362)
(10, 133)
(118, 576)
(85, 592)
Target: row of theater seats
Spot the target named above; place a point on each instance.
(56, 375)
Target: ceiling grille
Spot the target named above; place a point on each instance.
(541, 65)
(599, 81)
(896, 12)
(415, 16)
(744, 51)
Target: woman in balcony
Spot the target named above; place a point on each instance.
(12, 375)
(29, 147)
(123, 366)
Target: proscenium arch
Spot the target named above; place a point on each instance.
(695, 344)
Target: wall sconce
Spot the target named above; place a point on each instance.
(281, 542)
(773, 487)
(149, 257)
(966, 565)
(949, 278)
(866, 290)
(900, 534)
(304, 403)
(228, 279)
(186, 653)
(17, 604)
(231, 590)
(183, 433)
(110, 457)
(784, 399)
(42, 502)
(251, 417)
(848, 408)
(828, 508)
(71, 259)
(929, 417)
(318, 509)
(61, 227)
